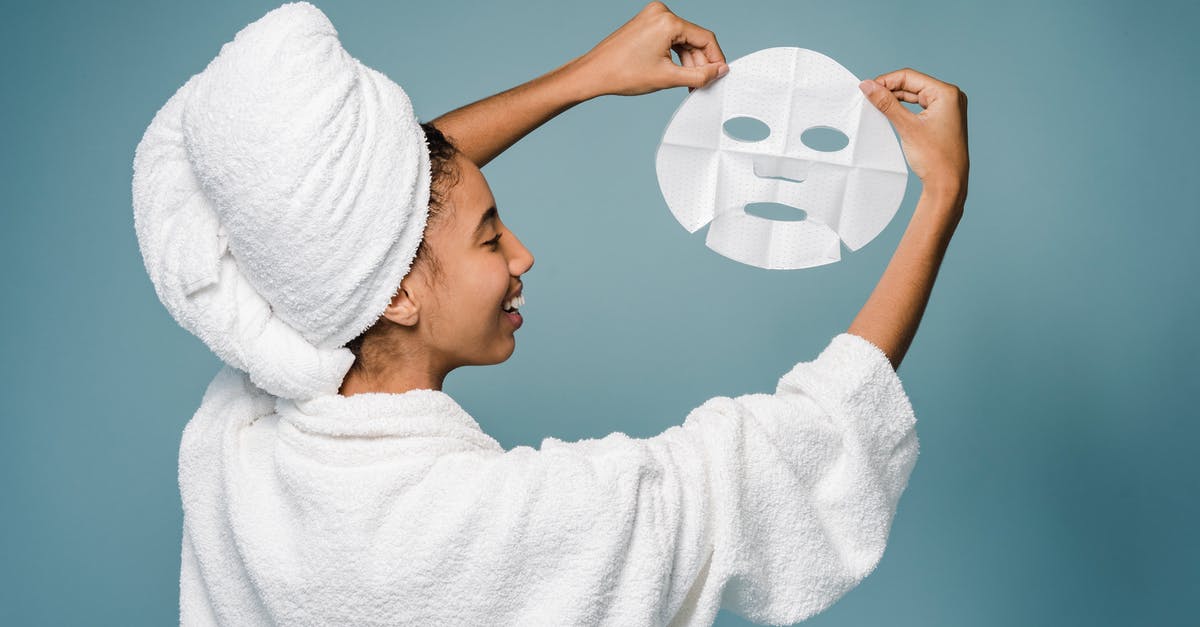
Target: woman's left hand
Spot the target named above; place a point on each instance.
(636, 58)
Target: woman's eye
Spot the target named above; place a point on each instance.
(494, 242)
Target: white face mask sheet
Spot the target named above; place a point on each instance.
(849, 194)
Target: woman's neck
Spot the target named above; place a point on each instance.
(363, 380)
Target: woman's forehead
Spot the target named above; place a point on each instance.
(473, 204)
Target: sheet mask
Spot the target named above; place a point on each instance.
(848, 195)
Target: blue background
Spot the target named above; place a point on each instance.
(1053, 374)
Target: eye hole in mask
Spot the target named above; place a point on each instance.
(746, 129)
(824, 139)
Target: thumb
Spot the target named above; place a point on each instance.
(887, 103)
(699, 75)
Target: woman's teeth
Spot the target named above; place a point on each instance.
(514, 303)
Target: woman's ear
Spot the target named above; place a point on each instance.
(403, 310)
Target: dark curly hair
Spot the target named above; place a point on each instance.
(444, 176)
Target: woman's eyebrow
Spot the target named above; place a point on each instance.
(490, 214)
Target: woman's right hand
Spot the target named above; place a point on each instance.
(636, 58)
(934, 140)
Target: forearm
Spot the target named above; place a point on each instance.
(634, 59)
(891, 315)
(484, 129)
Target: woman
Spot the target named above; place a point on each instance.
(343, 258)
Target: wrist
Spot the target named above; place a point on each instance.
(574, 81)
(946, 191)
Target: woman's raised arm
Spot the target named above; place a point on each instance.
(634, 59)
(935, 144)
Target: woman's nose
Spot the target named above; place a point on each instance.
(521, 259)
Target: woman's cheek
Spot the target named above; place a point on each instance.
(489, 282)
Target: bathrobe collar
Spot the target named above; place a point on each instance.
(415, 413)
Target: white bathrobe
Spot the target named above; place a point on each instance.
(397, 509)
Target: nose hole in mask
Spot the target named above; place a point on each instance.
(776, 211)
(793, 172)
(824, 139)
(746, 129)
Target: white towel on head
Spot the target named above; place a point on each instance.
(279, 198)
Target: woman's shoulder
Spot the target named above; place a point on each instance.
(230, 401)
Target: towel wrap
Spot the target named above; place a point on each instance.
(279, 198)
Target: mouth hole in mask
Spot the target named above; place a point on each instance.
(824, 139)
(776, 211)
(746, 129)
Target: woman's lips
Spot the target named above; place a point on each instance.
(514, 317)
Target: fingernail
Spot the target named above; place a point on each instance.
(868, 86)
(723, 70)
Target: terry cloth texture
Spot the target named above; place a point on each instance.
(279, 198)
(386, 509)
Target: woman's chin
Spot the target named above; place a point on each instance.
(509, 348)
(504, 349)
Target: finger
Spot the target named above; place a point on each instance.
(688, 58)
(905, 96)
(685, 60)
(685, 56)
(699, 39)
(886, 102)
(912, 81)
(698, 60)
(697, 76)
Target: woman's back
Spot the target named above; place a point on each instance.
(398, 509)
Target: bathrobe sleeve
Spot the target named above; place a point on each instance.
(772, 506)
